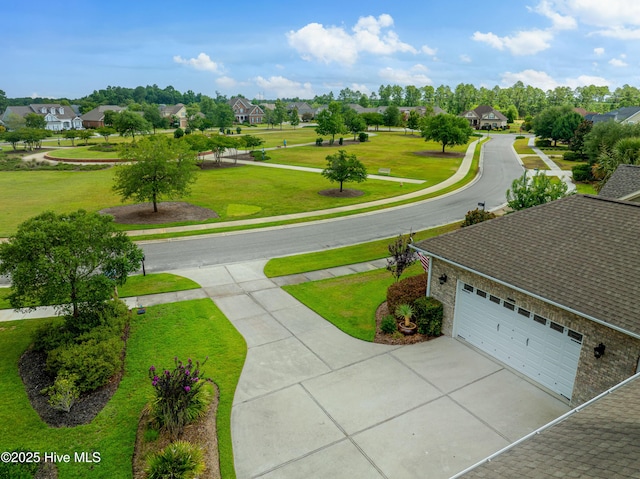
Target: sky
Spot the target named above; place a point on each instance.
(283, 48)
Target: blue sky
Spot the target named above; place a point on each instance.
(300, 48)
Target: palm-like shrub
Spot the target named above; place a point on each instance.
(179, 460)
(405, 311)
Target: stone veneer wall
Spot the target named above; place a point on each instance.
(594, 375)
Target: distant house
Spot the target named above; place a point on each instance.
(95, 117)
(303, 109)
(57, 117)
(627, 114)
(624, 184)
(485, 118)
(245, 111)
(178, 111)
(524, 289)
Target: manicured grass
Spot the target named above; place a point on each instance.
(406, 155)
(521, 146)
(567, 165)
(332, 258)
(83, 152)
(348, 302)
(139, 285)
(586, 189)
(533, 162)
(4, 294)
(195, 329)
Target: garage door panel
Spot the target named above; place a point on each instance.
(543, 350)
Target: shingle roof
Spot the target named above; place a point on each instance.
(624, 181)
(97, 114)
(602, 440)
(580, 252)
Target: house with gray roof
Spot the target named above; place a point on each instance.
(245, 111)
(627, 114)
(95, 117)
(624, 184)
(552, 291)
(57, 117)
(485, 118)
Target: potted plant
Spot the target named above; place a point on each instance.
(406, 327)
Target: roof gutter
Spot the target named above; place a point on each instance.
(533, 295)
(547, 426)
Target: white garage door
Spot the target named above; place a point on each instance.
(545, 351)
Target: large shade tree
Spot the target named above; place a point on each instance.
(159, 167)
(72, 260)
(342, 168)
(450, 130)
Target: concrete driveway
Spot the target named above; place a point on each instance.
(313, 402)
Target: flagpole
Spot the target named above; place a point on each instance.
(429, 276)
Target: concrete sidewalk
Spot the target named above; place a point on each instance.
(554, 170)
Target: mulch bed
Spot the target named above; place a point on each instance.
(345, 193)
(202, 432)
(397, 337)
(168, 212)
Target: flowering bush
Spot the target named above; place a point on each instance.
(179, 396)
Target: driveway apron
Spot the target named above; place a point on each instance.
(313, 402)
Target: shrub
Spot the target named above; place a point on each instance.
(406, 291)
(50, 335)
(93, 362)
(572, 156)
(477, 216)
(187, 131)
(238, 130)
(178, 133)
(319, 141)
(64, 392)
(582, 173)
(520, 137)
(542, 143)
(402, 256)
(362, 137)
(179, 460)
(179, 396)
(428, 316)
(340, 141)
(105, 147)
(388, 325)
(112, 314)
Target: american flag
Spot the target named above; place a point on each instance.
(425, 262)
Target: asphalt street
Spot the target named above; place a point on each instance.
(499, 168)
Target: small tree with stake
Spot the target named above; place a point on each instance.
(401, 255)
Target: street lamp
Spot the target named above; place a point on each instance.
(144, 273)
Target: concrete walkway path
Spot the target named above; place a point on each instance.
(314, 402)
(554, 169)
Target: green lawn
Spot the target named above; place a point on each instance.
(332, 258)
(567, 165)
(533, 162)
(586, 189)
(83, 152)
(195, 329)
(25, 194)
(521, 146)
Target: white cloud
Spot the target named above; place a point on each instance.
(428, 50)
(361, 87)
(327, 44)
(525, 42)
(620, 33)
(416, 75)
(544, 81)
(598, 51)
(284, 88)
(618, 62)
(201, 62)
(560, 22)
(465, 58)
(615, 18)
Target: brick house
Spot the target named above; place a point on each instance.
(485, 118)
(95, 117)
(245, 111)
(552, 291)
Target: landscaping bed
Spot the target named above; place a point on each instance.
(168, 212)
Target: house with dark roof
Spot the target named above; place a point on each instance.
(176, 113)
(627, 114)
(57, 117)
(552, 291)
(485, 118)
(245, 111)
(95, 117)
(624, 184)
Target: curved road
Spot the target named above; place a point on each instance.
(499, 168)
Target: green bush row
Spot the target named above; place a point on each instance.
(582, 173)
(428, 316)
